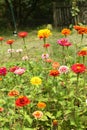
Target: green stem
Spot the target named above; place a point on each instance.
(11, 49)
(25, 46)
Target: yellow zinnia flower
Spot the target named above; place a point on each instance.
(36, 81)
(84, 49)
(44, 33)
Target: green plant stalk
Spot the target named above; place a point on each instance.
(25, 47)
(11, 49)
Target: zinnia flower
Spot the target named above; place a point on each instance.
(54, 73)
(25, 58)
(19, 71)
(19, 50)
(55, 65)
(13, 93)
(64, 42)
(22, 101)
(78, 68)
(12, 69)
(36, 81)
(63, 69)
(55, 122)
(82, 53)
(1, 109)
(45, 56)
(1, 38)
(66, 31)
(11, 50)
(22, 34)
(41, 105)
(10, 42)
(37, 114)
(48, 60)
(3, 71)
(44, 33)
(46, 45)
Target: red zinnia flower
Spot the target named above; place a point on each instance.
(54, 73)
(78, 68)
(3, 71)
(22, 101)
(1, 38)
(13, 68)
(46, 45)
(10, 41)
(22, 34)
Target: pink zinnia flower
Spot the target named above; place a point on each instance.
(19, 71)
(63, 69)
(45, 56)
(64, 42)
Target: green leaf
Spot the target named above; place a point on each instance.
(29, 119)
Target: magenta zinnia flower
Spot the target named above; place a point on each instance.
(64, 42)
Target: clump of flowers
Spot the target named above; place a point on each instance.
(54, 73)
(22, 101)
(80, 29)
(78, 68)
(63, 69)
(37, 114)
(36, 81)
(13, 93)
(41, 105)
(66, 31)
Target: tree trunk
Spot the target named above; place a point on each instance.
(54, 15)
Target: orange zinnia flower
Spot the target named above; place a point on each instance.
(41, 105)
(37, 114)
(49, 60)
(13, 93)
(54, 73)
(66, 31)
(80, 29)
(55, 123)
(1, 38)
(1, 109)
(55, 65)
(82, 53)
(10, 41)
